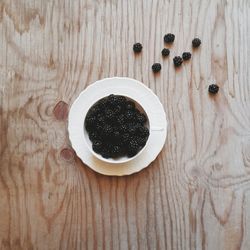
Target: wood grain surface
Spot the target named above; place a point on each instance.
(195, 195)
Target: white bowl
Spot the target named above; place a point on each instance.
(136, 91)
(118, 160)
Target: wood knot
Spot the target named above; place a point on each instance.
(61, 111)
(67, 154)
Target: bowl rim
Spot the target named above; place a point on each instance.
(112, 160)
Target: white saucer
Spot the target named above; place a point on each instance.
(135, 90)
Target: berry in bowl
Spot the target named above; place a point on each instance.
(116, 129)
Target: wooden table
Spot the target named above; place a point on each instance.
(195, 195)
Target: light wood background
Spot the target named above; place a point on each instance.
(196, 195)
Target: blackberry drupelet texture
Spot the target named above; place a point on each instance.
(196, 42)
(156, 67)
(165, 52)
(137, 47)
(177, 61)
(186, 56)
(116, 127)
(213, 89)
(169, 38)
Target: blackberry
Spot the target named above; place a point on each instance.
(156, 67)
(125, 137)
(105, 153)
(107, 130)
(115, 127)
(132, 129)
(129, 115)
(123, 128)
(97, 146)
(111, 100)
(177, 61)
(169, 38)
(121, 100)
(121, 119)
(143, 132)
(186, 56)
(116, 135)
(137, 47)
(115, 151)
(109, 114)
(94, 136)
(141, 141)
(130, 105)
(165, 52)
(141, 118)
(213, 89)
(196, 42)
(90, 123)
(133, 148)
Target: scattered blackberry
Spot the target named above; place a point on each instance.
(137, 47)
(186, 56)
(196, 42)
(177, 61)
(169, 38)
(165, 52)
(213, 89)
(156, 67)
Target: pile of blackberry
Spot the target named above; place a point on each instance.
(116, 127)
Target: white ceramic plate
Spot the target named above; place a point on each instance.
(120, 86)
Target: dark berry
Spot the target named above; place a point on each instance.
(177, 61)
(156, 67)
(116, 127)
(169, 38)
(137, 47)
(109, 114)
(186, 56)
(115, 151)
(107, 130)
(196, 42)
(133, 148)
(94, 136)
(97, 146)
(141, 141)
(105, 153)
(143, 132)
(141, 118)
(125, 137)
(213, 89)
(129, 115)
(130, 105)
(123, 128)
(165, 52)
(121, 119)
(90, 123)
